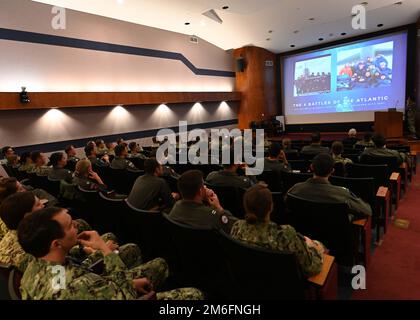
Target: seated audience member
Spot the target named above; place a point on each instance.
(90, 152)
(258, 230)
(319, 189)
(91, 143)
(200, 206)
(315, 147)
(287, 147)
(135, 150)
(337, 149)
(111, 146)
(101, 148)
(12, 211)
(287, 144)
(71, 154)
(229, 177)
(120, 141)
(15, 206)
(9, 186)
(120, 161)
(150, 192)
(86, 178)
(26, 162)
(380, 150)
(39, 161)
(58, 160)
(13, 161)
(49, 234)
(367, 141)
(6, 153)
(351, 138)
(276, 160)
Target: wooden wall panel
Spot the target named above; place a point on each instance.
(47, 100)
(257, 85)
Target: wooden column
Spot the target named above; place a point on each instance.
(257, 84)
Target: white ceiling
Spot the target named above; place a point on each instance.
(247, 22)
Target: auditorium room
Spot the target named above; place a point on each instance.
(225, 152)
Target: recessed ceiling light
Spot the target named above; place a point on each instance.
(296, 31)
(380, 25)
(292, 46)
(364, 3)
(270, 31)
(331, 34)
(187, 23)
(398, 3)
(321, 39)
(311, 19)
(268, 39)
(120, 1)
(343, 33)
(225, 7)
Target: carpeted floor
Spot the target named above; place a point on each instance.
(394, 272)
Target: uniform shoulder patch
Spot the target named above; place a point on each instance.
(225, 219)
(213, 212)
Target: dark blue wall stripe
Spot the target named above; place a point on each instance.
(32, 37)
(60, 145)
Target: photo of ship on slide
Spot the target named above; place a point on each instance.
(313, 76)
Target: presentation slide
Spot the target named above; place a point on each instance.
(357, 79)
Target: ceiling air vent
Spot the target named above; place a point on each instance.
(194, 39)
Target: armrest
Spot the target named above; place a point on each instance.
(394, 176)
(320, 278)
(382, 192)
(360, 223)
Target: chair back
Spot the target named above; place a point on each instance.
(339, 169)
(138, 162)
(379, 173)
(364, 188)
(326, 222)
(300, 165)
(15, 278)
(108, 214)
(278, 215)
(149, 230)
(272, 179)
(391, 162)
(5, 270)
(53, 187)
(231, 198)
(291, 178)
(200, 258)
(279, 276)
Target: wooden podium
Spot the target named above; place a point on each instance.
(389, 124)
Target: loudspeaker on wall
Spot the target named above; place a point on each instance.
(240, 64)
